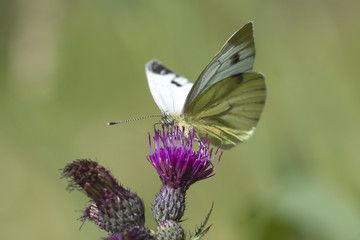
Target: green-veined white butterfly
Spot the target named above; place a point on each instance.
(226, 100)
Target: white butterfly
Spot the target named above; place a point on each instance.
(226, 100)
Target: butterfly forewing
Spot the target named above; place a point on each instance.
(236, 56)
(229, 110)
(168, 89)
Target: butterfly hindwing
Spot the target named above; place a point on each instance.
(168, 89)
(229, 110)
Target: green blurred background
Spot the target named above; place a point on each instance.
(69, 67)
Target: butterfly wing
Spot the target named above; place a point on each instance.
(236, 56)
(229, 110)
(168, 89)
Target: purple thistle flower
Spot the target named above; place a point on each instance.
(178, 166)
(114, 208)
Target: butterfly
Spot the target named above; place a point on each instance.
(225, 102)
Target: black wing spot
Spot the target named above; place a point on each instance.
(176, 83)
(235, 58)
(160, 69)
(239, 78)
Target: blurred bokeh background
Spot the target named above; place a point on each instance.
(69, 67)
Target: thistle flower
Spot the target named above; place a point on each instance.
(114, 208)
(178, 166)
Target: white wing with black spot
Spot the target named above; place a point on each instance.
(168, 89)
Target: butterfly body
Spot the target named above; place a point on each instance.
(176, 119)
(226, 101)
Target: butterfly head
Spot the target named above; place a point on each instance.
(167, 120)
(175, 119)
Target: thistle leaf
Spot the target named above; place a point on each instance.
(202, 230)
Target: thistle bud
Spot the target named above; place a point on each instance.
(114, 208)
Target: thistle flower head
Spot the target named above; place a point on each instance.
(178, 166)
(114, 208)
(174, 159)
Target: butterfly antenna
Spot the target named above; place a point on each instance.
(135, 119)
